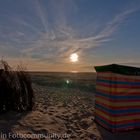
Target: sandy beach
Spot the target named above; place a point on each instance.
(69, 69)
(59, 113)
(55, 116)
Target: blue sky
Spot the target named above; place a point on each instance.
(42, 34)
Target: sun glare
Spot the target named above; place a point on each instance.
(74, 57)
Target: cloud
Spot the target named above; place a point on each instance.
(58, 39)
(9, 51)
(58, 42)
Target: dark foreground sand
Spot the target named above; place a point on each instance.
(59, 113)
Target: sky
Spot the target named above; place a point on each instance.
(42, 34)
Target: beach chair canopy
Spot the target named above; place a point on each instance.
(120, 69)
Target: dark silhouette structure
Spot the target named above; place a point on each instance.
(16, 91)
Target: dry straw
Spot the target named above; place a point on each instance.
(16, 91)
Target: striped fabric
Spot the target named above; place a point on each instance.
(117, 104)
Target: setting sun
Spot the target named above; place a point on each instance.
(74, 57)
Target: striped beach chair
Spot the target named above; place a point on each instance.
(117, 99)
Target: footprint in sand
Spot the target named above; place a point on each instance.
(84, 125)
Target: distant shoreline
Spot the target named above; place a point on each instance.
(61, 72)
